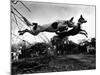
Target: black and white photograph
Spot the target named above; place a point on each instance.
(52, 37)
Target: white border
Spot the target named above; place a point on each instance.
(5, 36)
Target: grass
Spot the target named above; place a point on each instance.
(43, 64)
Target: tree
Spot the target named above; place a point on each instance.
(93, 42)
(83, 46)
(64, 45)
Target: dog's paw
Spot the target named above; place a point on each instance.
(20, 32)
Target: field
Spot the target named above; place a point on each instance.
(43, 64)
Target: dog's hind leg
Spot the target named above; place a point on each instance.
(84, 31)
(83, 34)
(23, 31)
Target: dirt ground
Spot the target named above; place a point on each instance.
(43, 64)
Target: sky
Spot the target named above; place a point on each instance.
(44, 13)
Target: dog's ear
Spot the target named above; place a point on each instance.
(71, 19)
(81, 16)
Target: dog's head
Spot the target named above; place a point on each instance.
(70, 22)
(82, 20)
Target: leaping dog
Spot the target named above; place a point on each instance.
(52, 27)
(75, 30)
